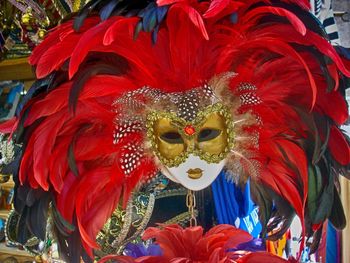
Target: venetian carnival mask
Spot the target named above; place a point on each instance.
(192, 148)
(191, 134)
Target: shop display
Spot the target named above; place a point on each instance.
(24, 24)
(155, 128)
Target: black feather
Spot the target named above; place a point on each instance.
(138, 29)
(17, 135)
(310, 21)
(37, 87)
(23, 233)
(85, 256)
(343, 51)
(62, 246)
(83, 14)
(84, 75)
(155, 34)
(337, 216)
(161, 13)
(37, 216)
(264, 201)
(316, 240)
(281, 218)
(71, 159)
(74, 246)
(326, 199)
(149, 18)
(107, 10)
(64, 228)
(33, 195)
(13, 166)
(22, 193)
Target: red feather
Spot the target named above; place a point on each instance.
(8, 126)
(50, 40)
(56, 55)
(168, 2)
(216, 6)
(257, 13)
(194, 16)
(338, 146)
(44, 140)
(121, 27)
(189, 51)
(262, 257)
(91, 40)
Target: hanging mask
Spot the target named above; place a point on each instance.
(192, 149)
(190, 134)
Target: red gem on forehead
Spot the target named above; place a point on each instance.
(189, 130)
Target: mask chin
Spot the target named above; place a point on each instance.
(194, 174)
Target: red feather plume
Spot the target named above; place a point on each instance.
(73, 155)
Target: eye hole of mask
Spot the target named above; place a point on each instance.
(172, 137)
(208, 134)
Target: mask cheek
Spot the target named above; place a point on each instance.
(180, 173)
(170, 150)
(215, 146)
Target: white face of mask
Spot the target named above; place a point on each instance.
(194, 174)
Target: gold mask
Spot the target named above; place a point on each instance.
(209, 136)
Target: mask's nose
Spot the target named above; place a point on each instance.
(190, 144)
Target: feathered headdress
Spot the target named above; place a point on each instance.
(266, 59)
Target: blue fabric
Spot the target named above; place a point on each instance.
(234, 206)
(12, 95)
(332, 248)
